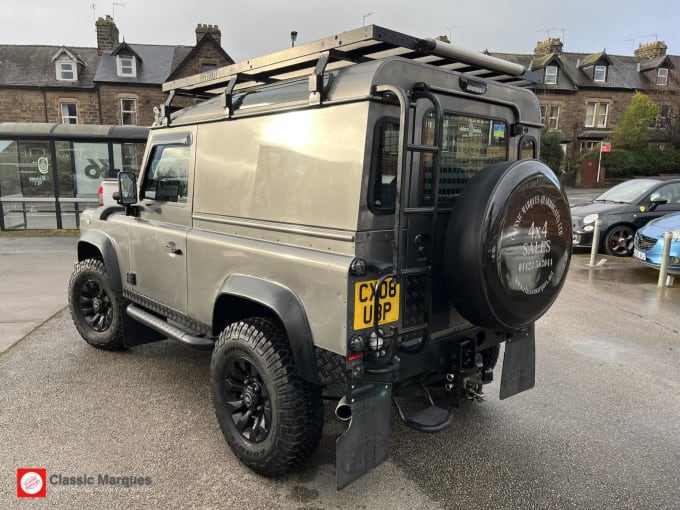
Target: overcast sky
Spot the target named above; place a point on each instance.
(255, 27)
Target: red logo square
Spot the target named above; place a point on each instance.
(31, 482)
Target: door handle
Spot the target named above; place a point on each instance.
(173, 249)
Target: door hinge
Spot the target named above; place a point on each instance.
(132, 278)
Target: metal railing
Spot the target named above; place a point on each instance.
(23, 213)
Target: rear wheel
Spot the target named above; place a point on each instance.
(95, 307)
(619, 241)
(270, 417)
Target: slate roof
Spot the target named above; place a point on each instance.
(155, 67)
(595, 58)
(655, 63)
(622, 73)
(32, 66)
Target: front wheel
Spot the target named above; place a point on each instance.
(96, 308)
(270, 417)
(619, 241)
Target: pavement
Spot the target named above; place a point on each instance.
(34, 274)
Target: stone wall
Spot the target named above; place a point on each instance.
(653, 49)
(206, 54)
(107, 34)
(147, 96)
(35, 105)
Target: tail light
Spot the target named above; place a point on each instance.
(100, 194)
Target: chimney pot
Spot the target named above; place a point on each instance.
(214, 30)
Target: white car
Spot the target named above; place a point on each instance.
(106, 190)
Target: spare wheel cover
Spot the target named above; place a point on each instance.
(508, 245)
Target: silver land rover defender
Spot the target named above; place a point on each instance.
(361, 218)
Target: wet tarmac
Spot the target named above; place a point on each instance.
(629, 283)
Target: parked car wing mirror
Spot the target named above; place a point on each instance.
(657, 201)
(127, 188)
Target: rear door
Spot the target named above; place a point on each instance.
(158, 235)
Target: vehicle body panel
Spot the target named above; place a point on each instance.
(649, 242)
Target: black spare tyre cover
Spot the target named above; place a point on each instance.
(508, 245)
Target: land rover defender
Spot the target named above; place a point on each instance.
(363, 218)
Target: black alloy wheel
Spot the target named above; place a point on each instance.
(248, 400)
(96, 308)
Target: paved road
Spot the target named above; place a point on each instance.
(34, 273)
(600, 430)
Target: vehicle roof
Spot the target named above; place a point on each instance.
(359, 81)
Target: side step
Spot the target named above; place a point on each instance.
(158, 324)
(429, 419)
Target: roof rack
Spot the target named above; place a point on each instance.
(355, 46)
(360, 45)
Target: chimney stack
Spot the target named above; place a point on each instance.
(652, 49)
(214, 30)
(548, 47)
(107, 34)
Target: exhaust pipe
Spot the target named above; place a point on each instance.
(343, 410)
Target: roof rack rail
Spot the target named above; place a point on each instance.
(360, 45)
(355, 46)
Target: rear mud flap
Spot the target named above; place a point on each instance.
(364, 445)
(519, 364)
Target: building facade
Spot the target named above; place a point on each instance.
(114, 83)
(584, 96)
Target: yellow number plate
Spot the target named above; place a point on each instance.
(364, 303)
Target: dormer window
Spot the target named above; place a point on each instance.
(127, 66)
(66, 70)
(662, 76)
(600, 73)
(550, 77)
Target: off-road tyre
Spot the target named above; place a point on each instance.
(96, 308)
(253, 371)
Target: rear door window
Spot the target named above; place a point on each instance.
(469, 144)
(385, 158)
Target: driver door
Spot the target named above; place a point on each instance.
(158, 235)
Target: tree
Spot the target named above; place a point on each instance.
(552, 153)
(635, 132)
(669, 130)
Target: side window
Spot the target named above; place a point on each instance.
(385, 155)
(168, 174)
(670, 192)
(469, 144)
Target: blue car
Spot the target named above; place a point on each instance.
(649, 242)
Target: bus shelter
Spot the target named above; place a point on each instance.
(50, 173)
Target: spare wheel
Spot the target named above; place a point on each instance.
(508, 245)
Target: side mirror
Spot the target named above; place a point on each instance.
(657, 201)
(127, 188)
